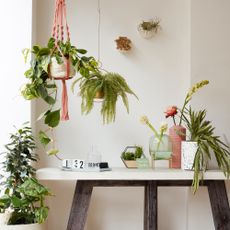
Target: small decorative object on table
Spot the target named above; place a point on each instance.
(148, 29)
(160, 147)
(177, 133)
(130, 156)
(123, 44)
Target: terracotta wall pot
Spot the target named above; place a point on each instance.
(189, 149)
(59, 70)
(23, 227)
(177, 134)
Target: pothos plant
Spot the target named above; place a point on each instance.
(42, 85)
(93, 80)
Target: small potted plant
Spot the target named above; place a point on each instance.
(196, 151)
(109, 86)
(148, 29)
(130, 155)
(23, 195)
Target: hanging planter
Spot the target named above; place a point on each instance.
(147, 29)
(59, 60)
(124, 44)
(60, 70)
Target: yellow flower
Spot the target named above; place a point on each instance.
(163, 127)
(196, 87)
(144, 120)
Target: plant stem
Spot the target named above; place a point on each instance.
(153, 129)
(174, 121)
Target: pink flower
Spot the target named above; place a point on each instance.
(171, 111)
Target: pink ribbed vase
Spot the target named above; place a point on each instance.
(177, 134)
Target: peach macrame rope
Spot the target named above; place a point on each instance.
(58, 34)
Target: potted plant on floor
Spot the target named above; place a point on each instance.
(110, 86)
(196, 151)
(23, 195)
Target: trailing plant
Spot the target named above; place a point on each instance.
(112, 85)
(23, 194)
(202, 131)
(42, 85)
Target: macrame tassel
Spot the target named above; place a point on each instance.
(64, 113)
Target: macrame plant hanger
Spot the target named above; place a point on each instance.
(60, 27)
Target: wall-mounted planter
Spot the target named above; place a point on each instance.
(148, 29)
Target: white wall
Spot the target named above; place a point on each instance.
(15, 24)
(159, 71)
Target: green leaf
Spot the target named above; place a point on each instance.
(35, 49)
(53, 118)
(53, 152)
(16, 202)
(41, 214)
(81, 51)
(42, 91)
(25, 53)
(50, 100)
(44, 139)
(43, 52)
(51, 43)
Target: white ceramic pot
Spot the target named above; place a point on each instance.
(147, 34)
(23, 227)
(59, 70)
(4, 217)
(188, 150)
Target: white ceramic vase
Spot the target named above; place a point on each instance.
(23, 227)
(188, 149)
(59, 70)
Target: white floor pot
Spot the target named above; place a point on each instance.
(188, 150)
(23, 227)
(60, 70)
(4, 217)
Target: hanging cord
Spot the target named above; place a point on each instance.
(60, 21)
(99, 32)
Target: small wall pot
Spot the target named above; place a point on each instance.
(60, 70)
(189, 149)
(24, 227)
(147, 34)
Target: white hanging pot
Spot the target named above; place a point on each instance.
(23, 227)
(188, 149)
(60, 70)
(147, 34)
(4, 218)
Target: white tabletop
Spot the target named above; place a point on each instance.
(125, 174)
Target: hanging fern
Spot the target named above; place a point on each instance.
(112, 85)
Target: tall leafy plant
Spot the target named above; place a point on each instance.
(22, 192)
(202, 131)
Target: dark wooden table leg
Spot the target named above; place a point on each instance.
(150, 208)
(80, 205)
(220, 205)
